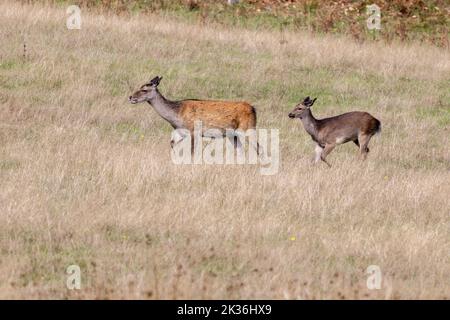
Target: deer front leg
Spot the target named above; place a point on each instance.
(318, 153)
(326, 151)
(177, 137)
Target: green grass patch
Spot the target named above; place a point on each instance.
(441, 115)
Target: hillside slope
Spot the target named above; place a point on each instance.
(87, 179)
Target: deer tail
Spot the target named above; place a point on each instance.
(378, 128)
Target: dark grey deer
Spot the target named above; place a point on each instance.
(327, 133)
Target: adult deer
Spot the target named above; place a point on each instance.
(183, 114)
(355, 126)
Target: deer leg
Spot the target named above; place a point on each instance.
(364, 142)
(258, 148)
(192, 146)
(326, 151)
(318, 153)
(174, 142)
(357, 144)
(237, 145)
(236, 142)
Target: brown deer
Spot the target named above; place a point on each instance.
(221, 115)
(327, 133)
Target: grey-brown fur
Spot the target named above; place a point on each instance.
(327, 133)
(167, 109)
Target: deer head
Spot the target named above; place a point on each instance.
(301, 108)
(147, 92)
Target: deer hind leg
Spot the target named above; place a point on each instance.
(239, 149)
(258, 148)
(252, 144)
(235, 141)
(192, 146)
(357, 144)
(363, 145)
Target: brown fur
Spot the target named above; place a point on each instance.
(185, 114)
(348, 125)
(327, 133)
(220, 115)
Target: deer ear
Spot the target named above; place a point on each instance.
(312, 102)
(155, 81)
(306, 101)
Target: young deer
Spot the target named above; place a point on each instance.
(354, 126)
(221, 115)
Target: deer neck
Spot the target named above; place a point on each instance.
(310, 124)
(167, 109)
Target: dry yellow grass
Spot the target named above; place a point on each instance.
(87, 179)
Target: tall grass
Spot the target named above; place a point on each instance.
(86, 178)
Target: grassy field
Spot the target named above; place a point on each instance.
(419, 20)
(87, 179)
